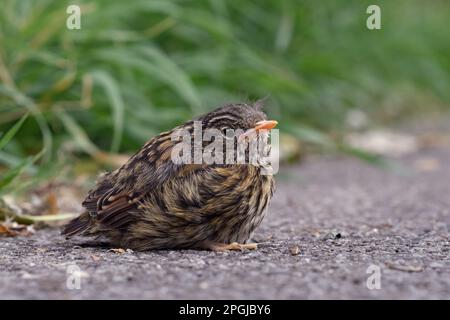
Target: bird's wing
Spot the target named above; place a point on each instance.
(119, 192)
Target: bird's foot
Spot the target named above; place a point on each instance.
(121, 250)
(231, 246)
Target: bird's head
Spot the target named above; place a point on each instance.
(241, 116)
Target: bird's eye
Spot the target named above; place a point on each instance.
(224, 130)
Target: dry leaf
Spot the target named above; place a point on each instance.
(13, 229)
(52, 203)
(5, 231)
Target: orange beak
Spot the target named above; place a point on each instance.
(266, 125)
(261, 125)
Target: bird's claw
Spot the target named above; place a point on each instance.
(232, 246)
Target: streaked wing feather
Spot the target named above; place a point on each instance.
(120, 191)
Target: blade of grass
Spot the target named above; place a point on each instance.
(113, 92)
(12, 174)
(26, 219)
(156, 64)
(181, 81)
(78, 134)
(12, 132)
(49, 217)
(29, 104)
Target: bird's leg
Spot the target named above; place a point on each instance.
(214, 246)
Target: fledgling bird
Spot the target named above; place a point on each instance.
(152, 202)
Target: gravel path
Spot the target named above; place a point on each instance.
(331, 218)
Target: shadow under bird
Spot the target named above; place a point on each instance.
(152, 202)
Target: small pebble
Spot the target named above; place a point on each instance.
(294, 250)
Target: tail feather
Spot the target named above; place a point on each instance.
(76, 226)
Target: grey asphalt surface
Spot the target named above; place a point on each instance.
(343, 215)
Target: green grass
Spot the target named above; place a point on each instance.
(8, 177)
(139, 67)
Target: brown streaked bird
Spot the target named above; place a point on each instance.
(152, 202)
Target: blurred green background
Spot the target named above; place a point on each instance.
(138, 67)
